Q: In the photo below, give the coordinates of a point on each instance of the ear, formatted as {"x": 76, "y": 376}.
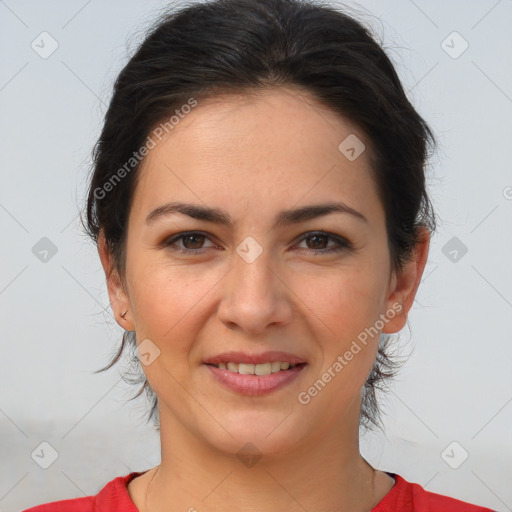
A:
{"x": 405, "y": 283}
{"x": 119, "y": 300}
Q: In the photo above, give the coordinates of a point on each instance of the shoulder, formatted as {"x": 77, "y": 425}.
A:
{"x": 412, "y": 497}
{"x": 113, "y": 497}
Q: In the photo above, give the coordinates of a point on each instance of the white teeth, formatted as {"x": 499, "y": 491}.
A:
{"x": 263, "y": 369}
{"x": 246, "y": 369}
{"x": 255, "y": 369}
{"x": 276, "y": 366}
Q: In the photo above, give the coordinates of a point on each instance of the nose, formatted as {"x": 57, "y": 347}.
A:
{"x": 255, "y": 296}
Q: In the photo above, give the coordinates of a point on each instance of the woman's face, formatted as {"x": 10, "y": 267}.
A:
{"x": 256, "y": 285}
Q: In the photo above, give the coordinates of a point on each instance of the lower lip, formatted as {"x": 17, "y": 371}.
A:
{"x": 255, "y": 385}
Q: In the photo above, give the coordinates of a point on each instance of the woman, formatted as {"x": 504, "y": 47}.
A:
{"x": 260, "y": 210}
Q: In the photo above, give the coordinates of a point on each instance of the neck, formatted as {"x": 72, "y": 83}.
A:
{"x": 325, "y": 474}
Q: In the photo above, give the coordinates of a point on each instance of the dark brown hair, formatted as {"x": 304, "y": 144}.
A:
{"x": 209, "y": 48}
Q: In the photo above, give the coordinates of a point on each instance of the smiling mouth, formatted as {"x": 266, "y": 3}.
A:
{"x": 256, "y": 369}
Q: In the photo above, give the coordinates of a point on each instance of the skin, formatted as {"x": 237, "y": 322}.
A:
{"x": 252, "y": 156}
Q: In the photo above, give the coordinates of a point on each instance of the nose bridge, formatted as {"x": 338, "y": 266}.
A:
{"x": 251, "y": 275}
{"x": 253, "y": 295}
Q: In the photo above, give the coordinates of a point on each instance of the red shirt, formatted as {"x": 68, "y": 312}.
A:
{"x": 403, "y": 496}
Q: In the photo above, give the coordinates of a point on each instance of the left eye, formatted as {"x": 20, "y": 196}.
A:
{"x": 197, "y": 237}
{"x": 339, "y": 243}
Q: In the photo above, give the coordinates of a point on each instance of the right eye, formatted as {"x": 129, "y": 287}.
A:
{"x": 188, "y": 238}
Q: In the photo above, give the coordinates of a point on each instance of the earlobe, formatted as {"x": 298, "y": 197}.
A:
{"x": 406, "y": 283}
{"x": 119, "y": 300}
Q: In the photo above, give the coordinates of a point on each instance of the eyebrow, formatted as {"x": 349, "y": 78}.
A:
{"x": 283, "y": 218}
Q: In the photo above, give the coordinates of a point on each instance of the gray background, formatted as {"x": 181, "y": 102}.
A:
{"x": 56, "y": 328}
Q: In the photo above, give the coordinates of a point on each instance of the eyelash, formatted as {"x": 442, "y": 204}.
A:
{"x": 342, "y": 244}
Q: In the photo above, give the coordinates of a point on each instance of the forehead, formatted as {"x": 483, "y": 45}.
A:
{"x": 268, "y": 116}
{"x": 269, "y": 146}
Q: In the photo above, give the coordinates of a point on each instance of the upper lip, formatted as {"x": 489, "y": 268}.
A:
{"x": 264, "y": 357}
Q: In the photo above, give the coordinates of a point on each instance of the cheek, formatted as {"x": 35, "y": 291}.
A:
{"x": 343, "y": 302}
{"x": 169, "y": 304}
{"x": 345, "y": 305}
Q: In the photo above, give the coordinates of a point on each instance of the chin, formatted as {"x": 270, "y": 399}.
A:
{"x": 257, "y": 435}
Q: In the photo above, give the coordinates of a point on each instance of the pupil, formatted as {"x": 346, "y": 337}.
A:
{"x": 316, "y": 237}
{"x": 192, "y": 237}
